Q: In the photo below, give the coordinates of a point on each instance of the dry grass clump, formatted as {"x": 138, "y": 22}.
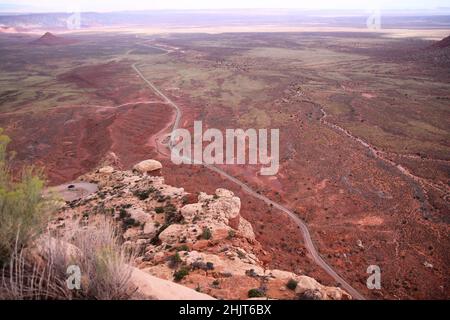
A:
{"x": 33, "y": 266}
{"x": 41, "y": 273}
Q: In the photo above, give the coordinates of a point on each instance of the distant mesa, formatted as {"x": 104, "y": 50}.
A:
{"x": 444, "y": 43}
{"x": 6, "y": 29}
{"x": 49, "y": 39}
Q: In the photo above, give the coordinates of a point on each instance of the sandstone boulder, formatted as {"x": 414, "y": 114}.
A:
{"x": 172, "y": 234}
{"x": 139, "y": 215}
{"x": 191, "y": 210}
{"x": 147, "y": 166}
{"x": 150, "y": 287}
{"x": 307, "y": 283}
{"x": 228, "y": 207}
{"x": 150, "y": 229}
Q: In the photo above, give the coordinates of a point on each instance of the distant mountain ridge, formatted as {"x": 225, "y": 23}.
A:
{"x": 444, "y": 43}
{"x": 58, "y": 21}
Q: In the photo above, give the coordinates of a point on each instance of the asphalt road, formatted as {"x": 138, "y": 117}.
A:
{"x": 302, "y": 226}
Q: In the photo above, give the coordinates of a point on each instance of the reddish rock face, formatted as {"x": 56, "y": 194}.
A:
{"x": 234, "y": 222}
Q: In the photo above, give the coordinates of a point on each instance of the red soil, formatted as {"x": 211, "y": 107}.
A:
{"x": 68, "y": 142}
{"x": 347, "y": 197}
{"x": 336, "y": 185}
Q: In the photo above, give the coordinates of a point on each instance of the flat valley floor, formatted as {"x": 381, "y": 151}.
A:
{"x": 364, "y": 119}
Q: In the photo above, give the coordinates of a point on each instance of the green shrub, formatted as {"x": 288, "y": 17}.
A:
{"x": 123, "y": 213}
{"x": 23, "y": 210}
{"x": 172, "y": 215}
{"x": 183, "y": 248}
{"x": 256, "y": 293}
{"x": 144, "y": 194}
{"x": 216, "y": 283}
{"x": 180, "y": 274}
{"x": 159, "y": 210}
{"x": 129, "y": 222}
{"x": 174, "y": 260}
{"x": 292, "y": 284}
{"x": 170, "y": 208}
{"x": 206, "y": 233}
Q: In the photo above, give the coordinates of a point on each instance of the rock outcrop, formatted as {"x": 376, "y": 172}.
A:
{"x": 203, "y": 244}
{"x": 147, "y": 166}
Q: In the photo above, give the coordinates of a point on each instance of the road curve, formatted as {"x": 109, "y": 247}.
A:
{"x": 302, "y": 226}
{"x": 72, "y": 191}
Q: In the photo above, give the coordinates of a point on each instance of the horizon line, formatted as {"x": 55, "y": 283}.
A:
{"x": 337, "y": 10}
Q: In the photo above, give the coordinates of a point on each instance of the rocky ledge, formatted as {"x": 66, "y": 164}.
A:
{"x": 199, "y": 241}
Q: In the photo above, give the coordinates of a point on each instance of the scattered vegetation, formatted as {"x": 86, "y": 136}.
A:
{"x": 175, "y": 260}
{"x": 172, "y": 215}
{"x": 215, "y": 284}
{"x": 144, "y": 194}
{"x": 231, "y": 234}
{"x": 181, "y": 274}
{"x": 23, "y": 210}
{"x": 159, "y": 210}
{"x": 129, "y": 222}
{"x": 183, "y": 248}
{"x": 292, "y": 284}
{"x": 170, "y": 208}
{"x": 256, "y": 293}
{"x": 123, "y": 213}
{"x": 206, "y": 233}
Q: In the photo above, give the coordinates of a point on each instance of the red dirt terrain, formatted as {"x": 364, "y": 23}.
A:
{"x": 71, "y": 140}
{"x": 84, "y": 137}
{"x": 367, "y": 213}
{"x": 360, "y": 209}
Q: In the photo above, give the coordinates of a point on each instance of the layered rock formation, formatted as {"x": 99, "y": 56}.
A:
{"x": 199, "y": 241}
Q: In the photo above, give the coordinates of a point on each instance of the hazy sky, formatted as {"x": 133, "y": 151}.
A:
{"x": 116, "y": 5}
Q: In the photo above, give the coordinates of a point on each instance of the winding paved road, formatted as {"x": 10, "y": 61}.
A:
{"x": 302, "y": 226}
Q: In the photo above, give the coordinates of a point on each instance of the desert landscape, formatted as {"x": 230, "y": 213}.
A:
{"x": 364, "y": 120}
